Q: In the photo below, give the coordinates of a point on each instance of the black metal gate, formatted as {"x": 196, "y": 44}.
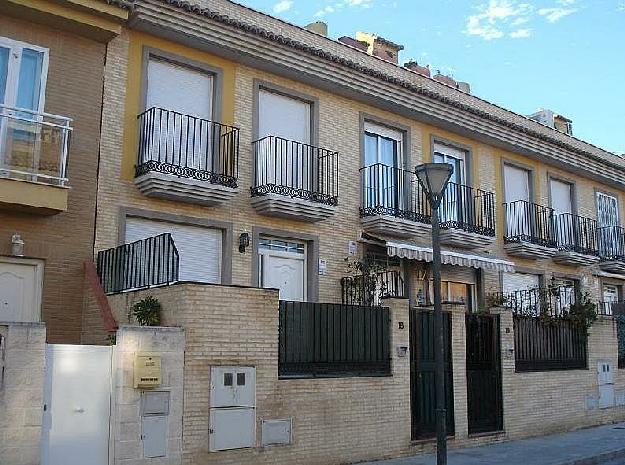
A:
{"x": 484, "y": 374}
{"x": 422, "y": 376}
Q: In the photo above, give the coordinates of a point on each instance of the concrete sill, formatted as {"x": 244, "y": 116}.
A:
{"x": 32, "y": 197}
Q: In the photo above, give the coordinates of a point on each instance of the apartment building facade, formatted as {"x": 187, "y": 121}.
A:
{"x": 51, "y": 69}
{"x": 306, "y": 148}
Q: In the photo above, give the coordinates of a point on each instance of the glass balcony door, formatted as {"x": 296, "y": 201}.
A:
{"x": 383, "y": 152}
{"x": 23, "y": 71}
{"x": 182, "y": 134}
{"x": 610, "y": 240}
{"x": 562, "y": 204}
{"x": 517, "y": 196}
{"x": 457, "y": 202}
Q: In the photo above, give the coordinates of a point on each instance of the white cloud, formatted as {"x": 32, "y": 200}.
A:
{"x": 282, "y": 6}
{"x": 521, "y": 33}
{"x": 341, "y": 4}
{"x": 556, "y": 14}
{"x": 495, "y": 18}
{"x": 621, "y": 7}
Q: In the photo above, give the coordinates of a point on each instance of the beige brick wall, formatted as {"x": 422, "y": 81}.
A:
{"x": 64, "y": 241}
{"x": 21, "y": 392}
{"x": 340, "y": 420}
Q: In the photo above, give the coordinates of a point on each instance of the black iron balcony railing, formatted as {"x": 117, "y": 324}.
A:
{"x": 611, "y": 241}
{"x": 370, "y": 290}
{"x": 188, "y": 147}
{"x": 610, "y": 308}
{"x": 391, "y": 191}
{"x": 576, "y": 234}
{"x": 529, "y": 222}
{"x": 34, "y": 146}
{"x": 469, "y": 209}
{"x": 295, "y": 169}
{"x": 554, "y": 300}
{"x": 144, "y": 263}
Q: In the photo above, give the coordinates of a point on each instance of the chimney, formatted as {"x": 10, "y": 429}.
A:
{"x": 353, "y": 43}
{"x": 464, "y": 87}
{"x": 417, "y": 68}
{"x": 553, "y": 120}
{"x": 445, "y": 79}
{"x": 318, "y": 27}
{"x": 380, "y": 47}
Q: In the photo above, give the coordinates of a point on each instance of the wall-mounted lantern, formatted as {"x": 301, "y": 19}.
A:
{"x": 17, "y": 245}
{"x": 244, "y": 241}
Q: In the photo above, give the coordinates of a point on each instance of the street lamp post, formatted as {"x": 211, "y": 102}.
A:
{"x": 434, "y": 178}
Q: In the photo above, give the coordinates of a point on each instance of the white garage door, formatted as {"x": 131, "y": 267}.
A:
{"x": 519, "y": 282}
{"x": 199, "y": 248}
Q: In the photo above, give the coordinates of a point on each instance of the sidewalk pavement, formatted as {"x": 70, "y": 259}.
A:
{"x": 598, "y": 445}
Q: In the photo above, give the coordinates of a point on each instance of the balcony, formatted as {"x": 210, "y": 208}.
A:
{"x": 185, "y": 158}
{"x": 393, "y": 202}
{"x": 610, "y": 308}
{"x": 576, "y": 239}
{"x": 294, "y": 180}
{"x": 612, "y": 249}
{"x": 370, "y": 290}
{"x": 530, "y": 230}
{"x": 33, "y": 161}
{"x": 467, "y": 217}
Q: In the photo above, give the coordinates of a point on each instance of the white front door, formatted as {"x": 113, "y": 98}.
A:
{"x": 288, "y": 159}
{"x": 77, "y": 398}
{"x": 20, "y": 289}
{"x": 518, "y": 215}
{"x": 199, "y": 248}
{"x": 610, "y": 296}
{"x": 610, "y": 240}
{"x": 181, "y": 131}
{"x": 283, "y": 267}
{"x": 562, "y": 203}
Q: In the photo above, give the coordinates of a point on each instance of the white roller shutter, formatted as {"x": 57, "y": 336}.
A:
{"x": 519, "y": 282}
{"x": 199, "y": 248}
{"x": 283, "y": 116}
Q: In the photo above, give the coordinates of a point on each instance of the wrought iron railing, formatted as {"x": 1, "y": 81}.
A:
{"x": 387, "y": 190}
{"x": 576, "y": 233}
{"x": 611, "y": 241}
{"x": 468, "y": 209}
{"x": 329, "y": 340}
{"x": 370, "y": 290}
{"x": 188, "y": 147}
{"x": 34, "y": 146}
{"x": 529, "y": 222}
{"x": 554, "y": 300}
{"x": 294, "y": 169}
{"x": 144, "y": 263}
{"x": 610, "y": 308}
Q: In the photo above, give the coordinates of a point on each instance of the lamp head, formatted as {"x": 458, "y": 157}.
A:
{"x": 434, "y": 178}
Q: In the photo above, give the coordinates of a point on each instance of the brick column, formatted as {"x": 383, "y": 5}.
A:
{"x": 506, "y": 331}
{"x": 459, "y": 363}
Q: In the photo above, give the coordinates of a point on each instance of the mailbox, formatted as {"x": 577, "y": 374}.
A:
{"x": 154, "y": 419}
{"x": 147, "y": 370}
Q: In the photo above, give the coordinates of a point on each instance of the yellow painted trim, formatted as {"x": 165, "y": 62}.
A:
{"x": 30, "y": 196}
{"x": 72, "y": 13}
{"x": 134, "y": 88}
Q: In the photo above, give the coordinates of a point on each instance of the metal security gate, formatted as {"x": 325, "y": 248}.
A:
{"x": 484, "y": 374}
{"x": 422, "y": 376}
{"x": 77, "y": 405}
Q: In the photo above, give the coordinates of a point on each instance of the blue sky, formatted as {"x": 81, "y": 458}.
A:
{"x": 565, "y": 55}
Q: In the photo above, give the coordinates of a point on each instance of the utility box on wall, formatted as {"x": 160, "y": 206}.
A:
{"x": 605, "y": 380}
{"x": 232, "y": 423}
{"x": 147, "y": 371}
{"x": 154, "y": 418}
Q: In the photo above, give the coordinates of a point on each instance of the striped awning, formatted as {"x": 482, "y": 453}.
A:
{"x": 424, "y": 254}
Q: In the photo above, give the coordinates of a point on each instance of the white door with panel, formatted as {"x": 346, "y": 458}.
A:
{"x": 517, "y": 196}
{"x": 562, "y": 204}
{"x": 77, "y": 399}
{"x": 21, "y": 282}
{"x": 199, "y": 248}
{"x": 282, "y": 266}
{"x": 182, "y": 96}
{"x": 288, "y": 159}
{"x": 609, "y": 232}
